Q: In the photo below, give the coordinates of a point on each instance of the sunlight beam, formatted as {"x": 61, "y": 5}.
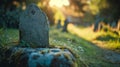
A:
{"x": 59, "y": 3}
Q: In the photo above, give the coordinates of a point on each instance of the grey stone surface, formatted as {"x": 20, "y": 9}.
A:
{"x": 33, "y": 27}
{"x": 51, "y": 58}
{"x": 112, "y": 57}
{"x": 37, "y": 57}
{"x": 98, "y": 24}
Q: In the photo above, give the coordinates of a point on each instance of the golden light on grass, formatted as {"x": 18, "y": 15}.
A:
{"x": 86, "y": 33}
{"x": 59, "y": 3}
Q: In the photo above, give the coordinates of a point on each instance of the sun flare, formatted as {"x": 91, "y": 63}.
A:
{"x": 59, "y": 3}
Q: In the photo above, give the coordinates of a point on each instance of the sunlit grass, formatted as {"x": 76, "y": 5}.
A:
{"x": 85, "y": 33}
{"x": 114, "y": 44}
{"x": 107, "y": 40}
{"x": 87, "y": 53}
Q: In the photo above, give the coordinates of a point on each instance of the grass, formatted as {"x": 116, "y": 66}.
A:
{"x": 8, "y": 36}
{"x": 88, "y": 54}
{"x": 77, "y": 40}
{"x": 108, "y": 40}
{"x": 111, "y": 40}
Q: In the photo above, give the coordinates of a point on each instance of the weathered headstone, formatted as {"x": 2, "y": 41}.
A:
{"x": 59, "y": 24}
{"x": 113, "y": 24}
{"x": 98, "y": 24}
{"x": 66, "y": 22}
{"x": 34, "y": 27}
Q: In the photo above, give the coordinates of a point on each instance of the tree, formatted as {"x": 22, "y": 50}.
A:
{"x": 109, "y": 9}
{"x": 10, "y": 10}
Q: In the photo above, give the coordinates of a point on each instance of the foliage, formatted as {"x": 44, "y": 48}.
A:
{"x": 10, "y": 11}
{"x": 31, "y": 1}
{"x": 8, "y": 37}
{"x": 108, "y": 9}
{"x": 3, "y": 36}
{"x": 114, "y": 9}
{"x": 96, "y": 5}
{"x": 111, "y": 40}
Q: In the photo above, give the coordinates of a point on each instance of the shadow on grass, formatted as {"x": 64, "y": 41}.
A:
{"x": 107, "y": 38}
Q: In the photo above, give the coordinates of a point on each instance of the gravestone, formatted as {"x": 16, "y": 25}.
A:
{"x": 33, "y": 27}
{"x": 59, "y": 24}
{"x": 98, "y": 24}
{"x": 66, "y": 22}
{"x": 113, "y": 24}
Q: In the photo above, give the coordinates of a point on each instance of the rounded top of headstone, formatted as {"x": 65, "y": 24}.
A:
{"x": 33, "y": 10}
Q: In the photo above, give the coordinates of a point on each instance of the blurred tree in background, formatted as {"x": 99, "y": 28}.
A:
{"x": 107, "y": 9}
{"x": 112, "y": 10}
{"x": 9, "y": 13}
{"x": 79, "y": 10}
{"x": 11, "y": 9}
